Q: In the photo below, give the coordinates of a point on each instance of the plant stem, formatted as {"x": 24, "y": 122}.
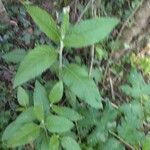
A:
{"x": 93, "y": 47}
{"x": 92, "y": 60}
{"x": 60, "y": 59}
{"x": 123, "y": 141}
{"x": 83, "y": 12}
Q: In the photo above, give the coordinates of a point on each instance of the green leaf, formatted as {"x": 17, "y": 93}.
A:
{"x": 22, "y": 97}
{"x": 130, "y": 126}
{"x": 44, "y": 145}
{"x": 45, "y": 22}
{"x": 56, "y": 93}
{"x": 41, "y": 104}
{"x": 146, "y": 144}
{"x": 54, "y": 143}
{"x": 26, "y": 116}
{"x": 113, "y": 144}
{"x": 104, "y": 123}
{"x": 57, "y": 124}
{"x": 67, "y": 113}
{"x": 25, "y": 134}
{"x": 101, "y": 53}
{"x": 35, "y": 62}
{"x": 68, "y": 143}
{"x": 89, "y": 32}
{"x": 138, "y": 86}
{"x": 71, "y": 98}
{"x": 42, "y": 142}
{"x": 14, "y": 56}
{"x": 77, "y": 80}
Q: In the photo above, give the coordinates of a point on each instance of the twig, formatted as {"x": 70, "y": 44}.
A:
{"x": 83, "y": 12}
{"x": 114, "y": 105}
{"x": 112, "y": 88}
{"x": 93, "y": 47}
{"x": 123, "y": 141}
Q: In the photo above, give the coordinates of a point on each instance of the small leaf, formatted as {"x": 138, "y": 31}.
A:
{"x": 68, "y": 143}
{"x": 89, "y": 32}
{"x": 45, "y": 22}
{"x": 138, "y": 87}
{"x": 26, "y": 116}
{"x": 54, "y": 143}
{"x": 77, "y": 80}
{"x": 101, "y": 53}
{"x": 41, "y": 104}
{"x": 131, "y": 123}
{"x": 56, "y": 93}
{"x": 22, "y": 97}
{"x": 35, "y": 62}
{"x": 67, "y": 113}
{"x": 57, "y": 124}
{"x": 27, "y": 133}
{"x": 14, "y": 56}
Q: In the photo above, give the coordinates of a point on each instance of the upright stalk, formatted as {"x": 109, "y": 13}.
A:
{"x": 60, "y": 59}
{"x": 93, "y": 47}
{"x": 64, "y": 28}
{"x": 92, "y": 60}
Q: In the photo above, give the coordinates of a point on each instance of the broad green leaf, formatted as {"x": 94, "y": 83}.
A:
{"x": 10, "y": 130}
{"x": 57, "y": 124}
{"x": 67, "y": 113}
{"x": 34, "y": 63}
{"x": 25, "y": 117}
{"x": 25, "y": 134}
{"x": 14, "y": 56}
{"x": 89, "y": 32}
{"x": 56, "y": 93}
{"x": 77, "y": 80}
{"x": 54, "y": 143}
{"x": 22, "y": 97}
{"x": 68, "y": 143}
{"x": 41, "y": 104}
{"x": 45, "y": 22}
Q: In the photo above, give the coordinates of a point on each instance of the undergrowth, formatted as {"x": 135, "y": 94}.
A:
{"x": 63, "y": 100}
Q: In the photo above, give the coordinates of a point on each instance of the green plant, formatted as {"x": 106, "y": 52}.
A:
{"x": 43, "y": 122}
